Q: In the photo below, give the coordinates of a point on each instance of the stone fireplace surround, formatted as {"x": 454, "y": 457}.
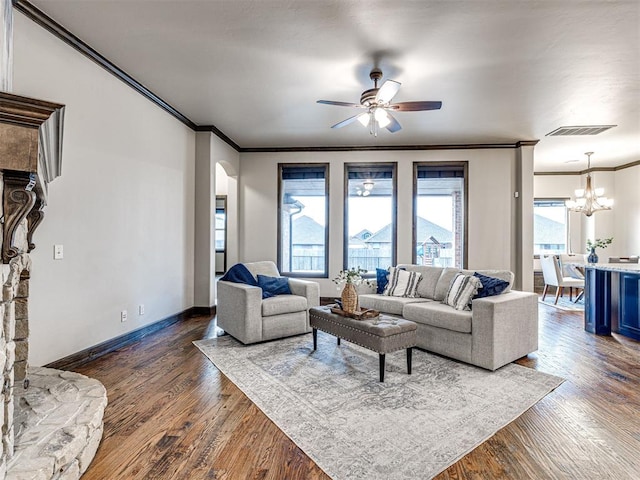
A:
{"x": 51, "y": 419}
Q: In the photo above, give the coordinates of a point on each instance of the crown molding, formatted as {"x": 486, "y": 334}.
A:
{"x": 594, "y": 169}
{"x": 219, "y": 133}
{"x": 368, "y": 148}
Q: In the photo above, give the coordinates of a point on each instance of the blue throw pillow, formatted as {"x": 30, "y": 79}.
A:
{"x": 273, "y": 286}
{"x": 382, "y": 278}
{"x": 490, "y": 286}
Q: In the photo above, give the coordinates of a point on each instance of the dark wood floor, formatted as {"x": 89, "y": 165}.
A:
{"x": 172, "y": 414}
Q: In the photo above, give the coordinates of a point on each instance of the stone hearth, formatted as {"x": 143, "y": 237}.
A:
{"x": 58, "y": 425}
{"x": 51, "y": 420}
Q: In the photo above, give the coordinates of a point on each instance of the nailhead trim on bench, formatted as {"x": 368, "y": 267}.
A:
{"x": 410, "y": 341}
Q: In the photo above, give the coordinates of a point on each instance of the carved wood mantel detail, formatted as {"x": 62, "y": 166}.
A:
{"x": 17, "y": 203}
{"x": 23, "y": 195}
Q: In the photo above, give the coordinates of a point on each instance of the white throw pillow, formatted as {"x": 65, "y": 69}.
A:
{"x": 402, "y": 283}
{"x": 461, "y": 291}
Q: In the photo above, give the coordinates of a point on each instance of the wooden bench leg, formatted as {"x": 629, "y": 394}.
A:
{"x": 409, "y": 351}
{"x": 315, "y": 339}
{"x": 381, "y": 367}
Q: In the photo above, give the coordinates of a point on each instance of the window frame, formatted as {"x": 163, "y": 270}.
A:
{"x": 563, "y": 200}
{"x": 414, "y": 234}
{"x": 394, "y": 211}
{"x": 223, "y": 199}
{"x": 327, "y": 170}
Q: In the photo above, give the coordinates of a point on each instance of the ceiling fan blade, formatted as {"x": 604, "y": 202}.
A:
{"x": 340, "y": 104}
{"x": 394, "y": 125}
{"x": 415, "y": 106}
{"x": 387, "y": 91}
{"x": 346, "y": 122}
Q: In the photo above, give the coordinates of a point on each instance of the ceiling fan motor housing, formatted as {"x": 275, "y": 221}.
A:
{"x": 368, "y": 97}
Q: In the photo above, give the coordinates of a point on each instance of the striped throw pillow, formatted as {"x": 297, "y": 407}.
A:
{"x": 402, "y": 283}
{"x": 461, "y": 290}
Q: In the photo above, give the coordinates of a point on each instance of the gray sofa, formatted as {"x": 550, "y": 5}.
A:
{"x": 497, "y": 330}
{"x": 244, "y": 314}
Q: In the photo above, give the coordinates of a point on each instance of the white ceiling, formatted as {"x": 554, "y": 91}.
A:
{"x": 504, "y": 70}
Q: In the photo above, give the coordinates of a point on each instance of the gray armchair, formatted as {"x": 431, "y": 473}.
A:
{"x": 245, "y": 315}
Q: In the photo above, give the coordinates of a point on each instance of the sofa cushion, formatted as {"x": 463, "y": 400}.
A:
{"x": 386, "y": 304}
{"x": 283, "y": 304}
{"x": 429, "y": 280}
{"x": 382, "y": 278}
{"x": 490, "y": 286}
{"x": 442, "y": 287}
{"x": 505, "y": 275}
{"x": 402, "y": 283}
{"x": 461, "y": 291}
{"x": 439, "y": 315}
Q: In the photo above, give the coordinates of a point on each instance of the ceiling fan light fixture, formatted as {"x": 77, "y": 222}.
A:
{"x": 376, "y": 101}
{"x": 381, "y": 117}
{"x": 364, "y": 119}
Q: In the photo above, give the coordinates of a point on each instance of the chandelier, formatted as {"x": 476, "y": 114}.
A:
{"x": 589, "y": 199}
{"x": 365, "y": 191}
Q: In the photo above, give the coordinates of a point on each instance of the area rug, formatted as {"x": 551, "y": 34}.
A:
{"x": 331, "y": 404}
{"x": 564, "y": 303}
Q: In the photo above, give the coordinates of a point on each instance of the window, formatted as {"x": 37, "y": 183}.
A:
{"x": 221, "y": 223}
{"x": 303, "y": 211}
{"x": 550, "y": 226}
{"x": 370, "y": 216}
{"x": 439, "y": 220}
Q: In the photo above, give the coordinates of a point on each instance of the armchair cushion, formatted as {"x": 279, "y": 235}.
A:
{"x": 272, "y": 286}
{"x": 281, "y": 304}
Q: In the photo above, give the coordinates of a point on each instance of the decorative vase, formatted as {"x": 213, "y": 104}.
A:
{"x": 349, "y": 298}
{"x": 593, "y": 257}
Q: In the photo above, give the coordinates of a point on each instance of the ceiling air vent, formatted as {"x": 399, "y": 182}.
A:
{"x": 579, "y": 130}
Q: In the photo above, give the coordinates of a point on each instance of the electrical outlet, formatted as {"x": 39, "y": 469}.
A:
{"x": 123, "y": 316}
{"x": 58, "y": 252}
{"x": 141, "y": 309}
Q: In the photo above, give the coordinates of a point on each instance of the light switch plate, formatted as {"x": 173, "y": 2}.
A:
{"x": 58, "y": 252}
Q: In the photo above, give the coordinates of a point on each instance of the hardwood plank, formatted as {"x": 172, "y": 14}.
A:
{"x": 172, "y": 414}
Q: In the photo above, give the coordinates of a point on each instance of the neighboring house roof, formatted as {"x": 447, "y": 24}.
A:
{"x": 362, "y": 234}
{"x": 426, "y": 229}
{"x": 306, "y": 231}
{"x": 548, "y": 231}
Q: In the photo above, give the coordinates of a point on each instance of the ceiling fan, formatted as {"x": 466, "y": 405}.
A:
{"x": 377, "y": 103}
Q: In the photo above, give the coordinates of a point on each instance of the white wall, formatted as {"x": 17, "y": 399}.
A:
{"x": 123, "y": 208}
{"x": 491, "y": 234}
{"x": 627, "y": 211}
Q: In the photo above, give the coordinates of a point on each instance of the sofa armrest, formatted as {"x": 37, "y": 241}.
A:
{"x": 239, "y": 311}
{"x": 504, "y": 328}
{"x": 306, "y": 288}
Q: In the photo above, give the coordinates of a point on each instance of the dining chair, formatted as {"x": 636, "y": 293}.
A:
{"x": 552, "y": 273}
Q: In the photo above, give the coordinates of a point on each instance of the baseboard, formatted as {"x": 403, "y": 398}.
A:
{"x": 85, "y": 356}
{"x": 204, "y": 310}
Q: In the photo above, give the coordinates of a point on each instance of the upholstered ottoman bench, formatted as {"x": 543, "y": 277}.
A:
{"x": 383, "y": 334}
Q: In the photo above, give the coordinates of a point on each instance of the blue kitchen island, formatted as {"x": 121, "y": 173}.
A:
{"x": 612, "y": 299}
